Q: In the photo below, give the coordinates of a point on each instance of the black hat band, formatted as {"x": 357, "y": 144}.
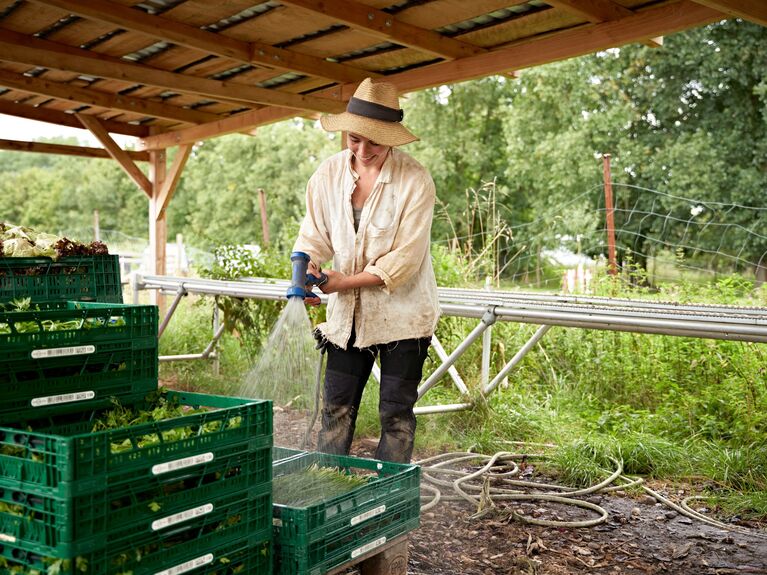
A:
{"x": 373, "y": 110}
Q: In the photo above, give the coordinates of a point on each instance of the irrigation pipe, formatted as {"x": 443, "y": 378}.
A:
{"x": 481, "y": 487}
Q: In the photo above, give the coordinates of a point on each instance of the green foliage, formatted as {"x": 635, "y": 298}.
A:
{"x": 250, "y": 319}
{"x": 190, "y": 331}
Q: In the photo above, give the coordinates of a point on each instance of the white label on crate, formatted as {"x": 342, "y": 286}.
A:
{"x": 276, "y": 522}
{"x": 63, "y": 398}
{"x": 368, "y": 547}
{"x": 161, "y": 468}
{"x": 182, "y": 516}
{"x": 63, "y": 351}
{"x": 7, "y": 538}
{"x": 367, "y": 515}
{"x": 188, "y": 566}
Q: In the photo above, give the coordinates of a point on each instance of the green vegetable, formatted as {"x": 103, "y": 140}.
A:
{"x": 313, "y": 485}
{"x": 23, "y": 242}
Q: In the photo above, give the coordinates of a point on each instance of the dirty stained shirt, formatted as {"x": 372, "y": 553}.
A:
{"x": 392, "y": 242}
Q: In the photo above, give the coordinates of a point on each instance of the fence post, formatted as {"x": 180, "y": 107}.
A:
{"x": 612, "y": 264}
{"x": 264, "y": 220}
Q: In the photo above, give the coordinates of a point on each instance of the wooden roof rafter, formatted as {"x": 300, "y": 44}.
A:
{"x": 217, "y": 44}
{"x": 753, "y": 10}
{"x": 667, "y": 18}
{"x": 91, "y": 97}
{"x": 388, "y": 27}
{"x": 44, "y": 53}
{"x": 192, "y": 67}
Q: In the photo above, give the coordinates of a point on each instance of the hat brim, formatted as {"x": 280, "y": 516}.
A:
{"x": 380, "y": 131}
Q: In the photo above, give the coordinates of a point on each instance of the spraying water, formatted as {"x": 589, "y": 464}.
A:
{"x": 287, "y": 369}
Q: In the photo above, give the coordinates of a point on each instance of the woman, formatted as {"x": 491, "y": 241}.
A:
{"x": 369, "y": 208}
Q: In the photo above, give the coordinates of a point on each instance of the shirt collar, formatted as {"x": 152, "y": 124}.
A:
{"x": 386, "y": 170}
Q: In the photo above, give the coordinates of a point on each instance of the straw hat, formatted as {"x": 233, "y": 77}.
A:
{"x": 373, "y": 112}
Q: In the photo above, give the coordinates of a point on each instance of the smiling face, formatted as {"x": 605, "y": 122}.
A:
{"x": 366, "y": 152}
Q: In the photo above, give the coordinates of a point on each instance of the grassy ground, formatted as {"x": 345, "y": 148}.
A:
{"x": 672, "y": 408}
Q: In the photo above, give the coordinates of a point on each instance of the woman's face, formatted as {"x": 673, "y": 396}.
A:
{"x": 366, "y": 152}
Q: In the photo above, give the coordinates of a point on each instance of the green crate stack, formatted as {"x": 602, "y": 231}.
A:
{"x": 139, "y": 499}
{"x": 316, "y": 538}
{"x": 249, "y": 555}
{"x": 64, "y": 357}
{"x": 73, "y": 278}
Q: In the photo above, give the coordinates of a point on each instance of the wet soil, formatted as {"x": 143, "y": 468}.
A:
{"x": 639, "y": 537}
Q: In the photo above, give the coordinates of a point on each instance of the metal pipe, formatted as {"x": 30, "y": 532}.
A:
{"x": 540, "y": 332}
{"x": 429, "y": 409}
{"x": 185, "y": 357}
{"x": 179, "y": 294}
{"x": 216, "y": 325}
{"x": 488, "y": 319}
{"x": 207, "y": 352}
{"x": 452, "y": 371}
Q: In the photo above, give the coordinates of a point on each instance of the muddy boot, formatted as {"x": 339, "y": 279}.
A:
{"x": 338, "y": 422}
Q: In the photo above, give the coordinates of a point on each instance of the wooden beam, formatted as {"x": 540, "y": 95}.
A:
{"x": 593, "y": 10}
{"x": 91, "y": 97}
{"x": 32, "y": 51}
{"x": 233, "y": 124}
{"x": 168, "y": 187}
{"x": 383, "y": 25}
{"x": 120, "y": 155}
{"x": 661, "y": 20}
{"x": 664, "y": 19}
{"x": 218, "y": 44}
{"x": 66, "y": 150}
{"x": 51, "y": 116}
{"x": 753, "y": 10}
{"x": 597, "y": 11}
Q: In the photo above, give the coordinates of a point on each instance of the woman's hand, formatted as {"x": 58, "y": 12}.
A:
{"x": 335, "y": 282}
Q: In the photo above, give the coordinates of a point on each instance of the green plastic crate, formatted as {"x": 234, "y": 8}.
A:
{"x": 110, "y": 350}
{"x": 318, "y": 537}
{"x": 67, "y": 527}
{"x": 75, "y": 278}
{"x": 387, "y": 480}
{"x": 248, "y": 555}
{"x": 67, "y": 459}
{"x": 323, "y": 550}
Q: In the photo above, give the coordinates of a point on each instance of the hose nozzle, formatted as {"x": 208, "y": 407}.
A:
{"x": 300, "y": 280}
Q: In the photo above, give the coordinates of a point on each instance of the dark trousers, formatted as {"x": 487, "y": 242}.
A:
{"x": 347, "y": 373}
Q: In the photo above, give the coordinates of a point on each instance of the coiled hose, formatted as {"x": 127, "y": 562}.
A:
{"x": 496, "y": 478}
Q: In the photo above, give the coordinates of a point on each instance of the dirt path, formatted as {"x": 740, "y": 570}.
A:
{"x": 640, "y": 536}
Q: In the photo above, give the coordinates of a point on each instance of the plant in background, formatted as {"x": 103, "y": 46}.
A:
{"x": 248, "y": 319}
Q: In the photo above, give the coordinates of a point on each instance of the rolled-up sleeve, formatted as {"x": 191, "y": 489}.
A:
{"x": 313, "y": 236}
{"x": 412, "y": 241}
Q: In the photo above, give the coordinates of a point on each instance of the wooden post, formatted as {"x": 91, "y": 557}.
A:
{"x": 179, "y": 271}
{"x": 158, "y": 230}
{"x": 264, "y": 219}
{"x": 96, "y": 227}
{"x": 612, "y": 268}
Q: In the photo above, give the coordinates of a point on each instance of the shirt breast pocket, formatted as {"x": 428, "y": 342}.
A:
{"x": 379, "y": 241}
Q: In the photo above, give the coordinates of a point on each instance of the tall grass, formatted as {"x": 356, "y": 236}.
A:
{"x": 668, "y": 407}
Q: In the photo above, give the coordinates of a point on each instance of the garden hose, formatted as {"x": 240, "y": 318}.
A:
{"x": 316, "y": 409}
{"x": 481, "y": 488}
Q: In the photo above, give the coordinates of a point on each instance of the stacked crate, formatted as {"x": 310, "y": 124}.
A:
{"x": 314, "y": 539}
{"x": 184, "y": 494}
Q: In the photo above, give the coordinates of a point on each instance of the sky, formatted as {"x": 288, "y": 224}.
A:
{"x": 14, "y": 128}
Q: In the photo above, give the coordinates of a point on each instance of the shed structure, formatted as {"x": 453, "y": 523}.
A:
{"x": 175, "y": 72}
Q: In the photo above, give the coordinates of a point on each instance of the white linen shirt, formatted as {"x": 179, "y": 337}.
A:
{"x": 392, "y": 242}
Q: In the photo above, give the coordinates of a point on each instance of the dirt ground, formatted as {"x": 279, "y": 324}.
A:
{"x": 640, "y": 536}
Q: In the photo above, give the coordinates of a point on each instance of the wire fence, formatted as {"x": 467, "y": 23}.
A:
{"x": 660, "y": 236}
